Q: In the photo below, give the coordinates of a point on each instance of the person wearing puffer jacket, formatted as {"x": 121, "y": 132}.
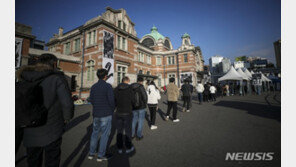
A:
{"x": 153, "y": 97}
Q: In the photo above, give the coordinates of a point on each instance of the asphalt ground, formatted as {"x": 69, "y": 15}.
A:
{"x": 201, "y": 139}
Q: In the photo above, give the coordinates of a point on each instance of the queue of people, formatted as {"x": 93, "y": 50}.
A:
{"x": 126, "y": 104}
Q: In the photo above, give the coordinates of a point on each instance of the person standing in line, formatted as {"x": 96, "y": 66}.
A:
{"x": 173, "y": 94}
{"x": 60, "y": 110}
{"x": 227, "y": 89}
{"x": 200, "y": 88}
{"x": 139, "y": 107}
{"x": 207, "y": 92}
{"x": 187, "y": 90}
{"x": 124, "y": 100}
{"x": 102, "y": 100}
{"x": 153, "y": 97}
{"x": 213, "y": 92}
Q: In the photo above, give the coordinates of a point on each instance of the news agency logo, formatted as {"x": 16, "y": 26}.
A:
{"x": 249, "y": 156}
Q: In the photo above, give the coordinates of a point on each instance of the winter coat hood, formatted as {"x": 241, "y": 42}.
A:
{"x": 33, "y": 73}
{"x": 123, "y": 86}
{"x": 135, "y": 85}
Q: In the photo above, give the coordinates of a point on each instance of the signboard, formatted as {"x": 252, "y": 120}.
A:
{"x": 108, "y": 56}
{"x": 185, "y": 75}
{"x": 18, "y": 51}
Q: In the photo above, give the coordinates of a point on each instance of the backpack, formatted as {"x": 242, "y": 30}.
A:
{"x": 137, "y": 98}
{"x": 29, "y": 108}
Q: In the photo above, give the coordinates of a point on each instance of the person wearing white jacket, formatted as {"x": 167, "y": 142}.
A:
{"x": 200, "y": 89}
{"x": 153, "y": 97}
{"x": 213, "y": 92}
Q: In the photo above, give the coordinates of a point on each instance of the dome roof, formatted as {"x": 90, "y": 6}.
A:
{"x": 155, "y": 34}
{"x": 186, "y": 35}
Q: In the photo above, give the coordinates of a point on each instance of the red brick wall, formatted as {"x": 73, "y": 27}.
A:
{"x": 69, "y": 66}
{"x": 25, "y": 47}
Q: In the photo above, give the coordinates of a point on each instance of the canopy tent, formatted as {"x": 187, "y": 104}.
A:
{"x": 247, "y": 72}
{"x": 245, "y": 77}
{"x": 231, "y": 75}
{"x": 252, "y": 72}
{"x": 264, "y": 78}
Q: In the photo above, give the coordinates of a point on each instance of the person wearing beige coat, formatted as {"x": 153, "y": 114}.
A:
{"x": 173, "y": 95}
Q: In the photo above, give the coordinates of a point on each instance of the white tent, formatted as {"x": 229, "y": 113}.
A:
{"x": 264, "y": 78}
{"x": 252, "y": 72}
{"x": 240, "y": 71}
{"x": 247, "y": 72}
{"x": 231, "y": 75}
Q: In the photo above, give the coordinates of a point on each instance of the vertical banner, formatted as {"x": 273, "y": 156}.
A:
{"x": 18, "y": 51}
{"x": 185, "y": 75}
{"x": 108, "y": 57}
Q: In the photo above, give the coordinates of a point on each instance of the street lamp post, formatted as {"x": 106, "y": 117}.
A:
{"x": 164, "y": 71}
{"x": 178, "y": 75}
{"x": 82, "y": 64}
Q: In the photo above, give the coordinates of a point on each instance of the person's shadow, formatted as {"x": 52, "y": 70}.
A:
{"x": 121, "y": 160}
{"x": 83, "y": 143}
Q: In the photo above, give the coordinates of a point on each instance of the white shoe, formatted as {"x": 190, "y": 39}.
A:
{"x": 167, "y": 118}
{"x": 153, "y": 127}
{"x": 176, "y": 120}
{"x": 188, "y": 111}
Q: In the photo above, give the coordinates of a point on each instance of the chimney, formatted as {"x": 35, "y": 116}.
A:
{"x": 61, "y": 31}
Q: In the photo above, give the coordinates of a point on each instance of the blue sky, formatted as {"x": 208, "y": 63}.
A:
{"x": 228, "y": 28}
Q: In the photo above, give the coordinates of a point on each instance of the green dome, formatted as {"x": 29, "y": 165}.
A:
{"x": 186, "y": 35}
{"x": 155, "y": 34}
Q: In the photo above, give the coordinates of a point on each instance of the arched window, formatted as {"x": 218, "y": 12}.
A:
{"x": 148, "y": 42}
{"x": 90, "y": 70}
{"x": 167, "y": 44}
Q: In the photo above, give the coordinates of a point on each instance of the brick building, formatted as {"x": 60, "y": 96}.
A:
{"x": 152, "y": 56}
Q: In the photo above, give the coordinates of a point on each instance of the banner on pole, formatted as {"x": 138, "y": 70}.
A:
{"x": 18, "y": 51}
{"x": 108, "y": 57}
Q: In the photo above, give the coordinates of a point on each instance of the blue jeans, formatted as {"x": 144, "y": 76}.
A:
{"x": 200, "y": 97}
{"x": 103, "y": 126}
{"x": 138, "y": 117}
{"x": 258, "y": 90}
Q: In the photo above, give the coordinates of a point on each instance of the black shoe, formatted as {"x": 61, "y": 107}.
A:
{"x": 104, "y": 158}
{"x": 140, "y": 138}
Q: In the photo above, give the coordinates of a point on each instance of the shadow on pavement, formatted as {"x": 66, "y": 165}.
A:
{"x": 161, "y": 114}
{"x": 83, "y": 143}
{"x": 76, "y": 121}
{"x": 121, "y": 160}
{"x": 271, "y": 112}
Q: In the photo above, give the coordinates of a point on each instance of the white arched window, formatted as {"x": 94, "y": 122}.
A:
{"x": 90, "y": 70}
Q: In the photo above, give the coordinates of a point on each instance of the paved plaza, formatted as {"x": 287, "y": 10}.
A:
{"x": 201, "y": 139}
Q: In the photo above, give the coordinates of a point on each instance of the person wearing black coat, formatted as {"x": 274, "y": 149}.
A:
{"x": 58, "y": 101}
{"x": 187, "y": 90}
{"x": 207, "y": 92}
{"x": 139, "y": 111}
{"x": 124, "y": 99}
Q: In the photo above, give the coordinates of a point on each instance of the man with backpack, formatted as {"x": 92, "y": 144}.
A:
{"x": 43, "y": 106}
{"x": 139, "y": 107}
{"x": 187, "y": 90}
{"x": 124, "y": 100}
